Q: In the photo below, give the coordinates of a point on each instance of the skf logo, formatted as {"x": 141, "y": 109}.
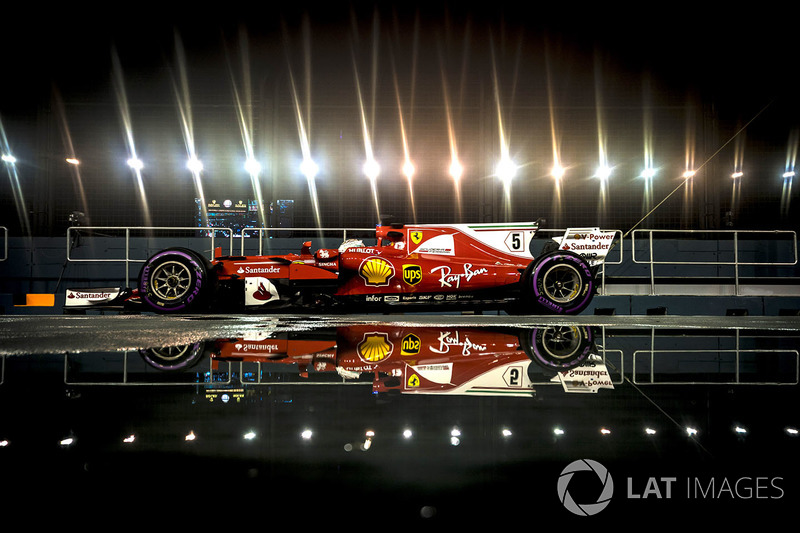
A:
{"x": 374, "y": 347}
{"x": 410, "y": 345}
{"x": 416, "y": 237}
{"x": 412, "y": 274}
{"x": 376, "y": 271}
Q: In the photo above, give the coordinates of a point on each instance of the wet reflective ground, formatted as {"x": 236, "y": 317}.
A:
{"x": 380, "y": 420}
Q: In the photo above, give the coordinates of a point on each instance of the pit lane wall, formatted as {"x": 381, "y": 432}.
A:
{"x": 648, "y": 272}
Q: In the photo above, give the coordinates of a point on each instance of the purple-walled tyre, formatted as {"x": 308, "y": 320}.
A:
{"x": 562, "y": 283}
{"x": 174, "y": 280}
{"x": 171, "y": 358}
{"x": 558, "y": 347}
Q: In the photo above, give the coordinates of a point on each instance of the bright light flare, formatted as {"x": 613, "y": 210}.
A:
{"x": 738, "y": 174}
{"x": 371, "y": 169}
{"x": 506, "y": 170}
{"x": 603, "y": 173}
{"x": 557, "y": 172}
{"x": 309, "y": 169}
{"x": 8, "y": 158}
{"x": 252, "y": 166}
{"x": 408, "y": 169}
{"x": 135, "y": 163}
{"x": 689, "y": 174}
{"x": 73, "y": 161}
{"x": 648, "y": 173}
{"x": 194, "y": 165}
{"x": 456, "y": 170}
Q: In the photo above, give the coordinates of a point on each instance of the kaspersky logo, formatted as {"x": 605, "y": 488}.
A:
{"x": 585, "y": 508}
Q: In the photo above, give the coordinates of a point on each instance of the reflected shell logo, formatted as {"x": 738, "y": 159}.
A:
{"x": 411, "y": 345}
{"x": 412, "y": 274}
{"x": 374, "y": 347}
{"x": 376, "y": 271}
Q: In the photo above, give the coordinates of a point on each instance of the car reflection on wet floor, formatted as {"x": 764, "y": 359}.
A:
{"x": 436, "y": 420}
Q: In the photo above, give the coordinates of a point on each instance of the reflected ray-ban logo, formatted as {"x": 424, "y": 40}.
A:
{"x": 585, "y": 509}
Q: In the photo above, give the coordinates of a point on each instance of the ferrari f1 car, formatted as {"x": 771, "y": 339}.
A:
{"x": 483, "y": 266}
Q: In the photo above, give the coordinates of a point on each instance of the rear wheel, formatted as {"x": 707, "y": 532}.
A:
{"x": 558, "y": 347}
{"x": 175, "y": 280}
{"x": 170, "y": 358}
{"x": 562, "y": 283}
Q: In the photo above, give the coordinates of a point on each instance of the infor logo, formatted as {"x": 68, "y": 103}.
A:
{"x": 585, "y": 509}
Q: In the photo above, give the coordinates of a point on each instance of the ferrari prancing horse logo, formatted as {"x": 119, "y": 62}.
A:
{"x": 416, "y": 237}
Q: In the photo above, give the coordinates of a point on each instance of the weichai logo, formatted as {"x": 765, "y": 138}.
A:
{"x": 412, "y": 274}
{"x": 410, "y": 345}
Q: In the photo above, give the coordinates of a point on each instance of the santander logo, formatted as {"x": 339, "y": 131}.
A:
{"x": 272, "y": 269}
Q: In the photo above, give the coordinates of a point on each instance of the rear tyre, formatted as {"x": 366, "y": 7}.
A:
{"x": 562, "y": 283}
{"x": 175, "y": 280}
{"x": 172, "y": 358}
{"x": 558, "y": 347}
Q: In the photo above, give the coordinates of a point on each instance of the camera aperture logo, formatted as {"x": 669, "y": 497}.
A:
{"x": 586, "y": 487}
{"x": 585, "y": 509}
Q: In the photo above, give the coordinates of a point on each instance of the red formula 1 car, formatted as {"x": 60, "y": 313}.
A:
{"x": 483, "y": 266}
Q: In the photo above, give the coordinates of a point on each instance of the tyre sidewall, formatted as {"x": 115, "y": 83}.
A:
{"x": 199, "y": 281}
{"x": 537, "y": 283}
{"x": 533, "y": 344}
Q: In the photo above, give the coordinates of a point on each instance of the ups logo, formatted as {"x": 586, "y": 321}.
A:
{"x": 410, "y": 345}
{"x": 412, "y": 274}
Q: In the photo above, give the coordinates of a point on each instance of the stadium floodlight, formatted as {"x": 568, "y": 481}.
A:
{"x": 371, "y": 169}
{"x": 194, "y": 165}
{"x": 603, "y": 172}
{"x": 252, "y": 166}
{"x": 135, "y": 163}
{"x": 408, "y": 169}
{"x": 309, "y": 168}
{"x": 506, "y": 170}
{"x": 456, "y": 170}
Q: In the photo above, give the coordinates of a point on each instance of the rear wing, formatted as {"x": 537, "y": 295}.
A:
{"x": 593, "y": 244}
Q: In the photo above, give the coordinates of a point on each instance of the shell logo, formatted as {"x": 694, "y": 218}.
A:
{"x": 375, "y": 347}
{"x": 376, "y": 271}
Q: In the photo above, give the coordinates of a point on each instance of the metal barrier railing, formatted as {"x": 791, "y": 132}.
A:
{"x": 148, "y": 231}
{"x": 736, "y": 262}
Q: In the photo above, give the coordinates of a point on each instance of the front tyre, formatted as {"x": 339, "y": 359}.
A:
{"x": 175, "y": 280}
{"x": 562, "y": 283}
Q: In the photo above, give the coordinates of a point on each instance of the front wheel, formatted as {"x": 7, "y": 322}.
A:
{"x": 175, "y": 280}
{"x": 562, "y": 283}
